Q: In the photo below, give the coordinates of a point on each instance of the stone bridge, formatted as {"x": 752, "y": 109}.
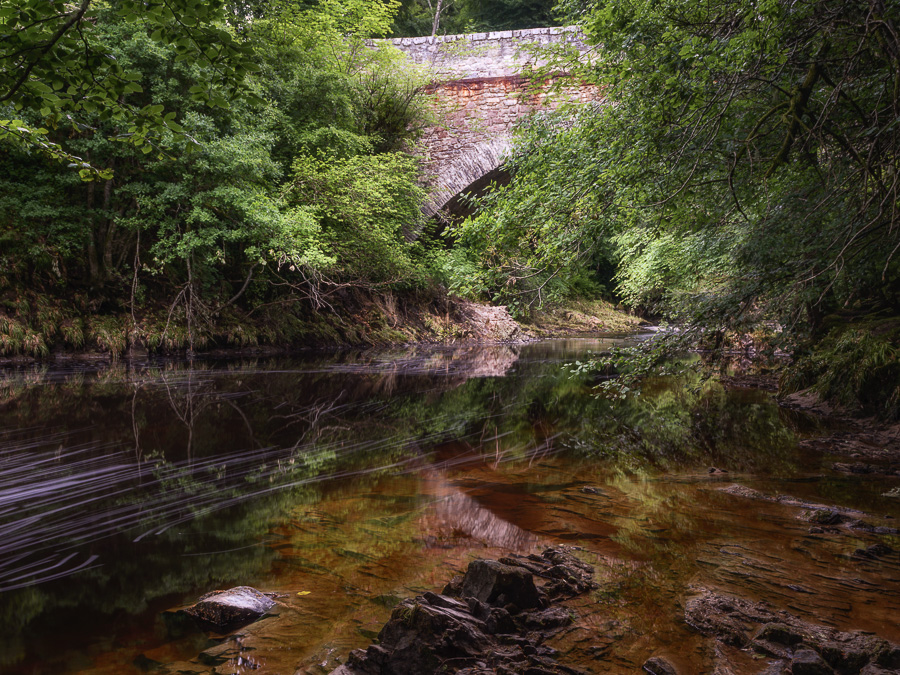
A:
{"x": 481, "y": 88}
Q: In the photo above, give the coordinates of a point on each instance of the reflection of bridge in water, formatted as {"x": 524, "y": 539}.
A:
{"x": 481, "y": 90}
{"x": 456, "y": 515}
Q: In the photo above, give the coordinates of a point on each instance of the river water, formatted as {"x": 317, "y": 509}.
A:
{"x": 349, "y": 481}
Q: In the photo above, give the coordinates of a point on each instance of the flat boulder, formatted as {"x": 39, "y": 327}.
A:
{"x": 808, "y": 648}
{"x": 222, "y": 611}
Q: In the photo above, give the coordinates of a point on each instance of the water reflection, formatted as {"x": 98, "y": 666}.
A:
{"x": 456, "y": 515}
{"x": 355, "y": 476}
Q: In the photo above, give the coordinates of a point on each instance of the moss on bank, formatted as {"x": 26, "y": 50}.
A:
{"x": 35, "y": 326}
{"x": 582, "y": 317}
{"x": 855, "y": 365}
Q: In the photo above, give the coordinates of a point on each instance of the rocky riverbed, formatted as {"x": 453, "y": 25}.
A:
{"x": 494, "y": 619}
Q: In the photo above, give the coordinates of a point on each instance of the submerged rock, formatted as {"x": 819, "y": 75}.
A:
{"x": 226, "y": 610}
{"x": 872, "y": 552}
{"x": 825, "y": 517}
{"x": 656, "y": 665}
{"x": 809, "y": 648}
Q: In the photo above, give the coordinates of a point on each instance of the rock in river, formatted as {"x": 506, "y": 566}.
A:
{"x": 493, "y": 620}
{"x": 656, "y": 665}
{"x": 225, "y": 610}
{"x": 805, "y": 647}
{"x": 498, "y": 584}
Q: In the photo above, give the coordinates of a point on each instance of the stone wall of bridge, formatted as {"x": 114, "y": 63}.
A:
{"x": 478, "y": 117}
{"x": 481, "y": 88}
{"x": 495, "y": 54}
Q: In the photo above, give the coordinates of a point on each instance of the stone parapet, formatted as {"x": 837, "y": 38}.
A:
{"x": 495, "y": 54}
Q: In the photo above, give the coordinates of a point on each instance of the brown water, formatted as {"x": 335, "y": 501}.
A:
{"x": 350, "y": 481}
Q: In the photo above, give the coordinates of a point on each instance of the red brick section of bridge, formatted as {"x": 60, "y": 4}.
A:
{"x": 478, "y": 116}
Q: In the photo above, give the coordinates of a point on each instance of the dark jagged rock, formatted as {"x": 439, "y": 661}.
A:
{"x": 496, "y": 623}
{"x": 825, "y": 517}
{"x": 872, "y": 552}
{"x": 823, "y": 530}
{"x": 222, "y": 611}
{"x": 863, "y": 526}
{"x": 567, "y": 576}
{"x": 872, "y": 669}
{"x": 780, "y": 634}
{"x": 808, "y": 662}
{"x": 498, "y": 584}
{"x": 552, "y": 617}
{"x": 656, "y": 665}
{"x": 742, "y": 623}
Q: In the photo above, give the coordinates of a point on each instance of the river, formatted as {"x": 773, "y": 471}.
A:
{"x": 348, "y": 481}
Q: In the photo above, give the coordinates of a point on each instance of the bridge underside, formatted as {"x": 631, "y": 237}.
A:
{"x": 466, "y": 172}
{"x": 460, "y": 206}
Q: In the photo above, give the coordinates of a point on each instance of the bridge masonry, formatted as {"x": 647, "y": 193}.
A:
{"x": 481, "y": 89}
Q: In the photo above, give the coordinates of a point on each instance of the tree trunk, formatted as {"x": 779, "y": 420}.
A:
{"x": 437, "y": 18}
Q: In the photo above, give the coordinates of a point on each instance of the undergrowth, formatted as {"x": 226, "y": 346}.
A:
{"x": 855, "y": 366}
{"x": 33, "y": 325}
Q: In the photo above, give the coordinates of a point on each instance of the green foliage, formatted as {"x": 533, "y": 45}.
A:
{"x": 544, "y": 231}
{"x": 416, "y": 17}
{"x": 457, "y": 271}
{"x": 741, "y": 173}
{"x": 197, "y": 220}
{"x": 55, "y": 67}
{"x": 18, "y": 338}
{"x": 369, "y": 206}
{"x": 624, "y": 369}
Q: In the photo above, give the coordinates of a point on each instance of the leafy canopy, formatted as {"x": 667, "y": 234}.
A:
{"x": 56, "y": 72}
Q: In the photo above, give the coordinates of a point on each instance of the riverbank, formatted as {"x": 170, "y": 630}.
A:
{"x": 51, "y": 330}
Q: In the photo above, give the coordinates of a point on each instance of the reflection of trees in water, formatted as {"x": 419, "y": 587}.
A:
{"x": 136, "y": 464}
{"x": 138, "y": 450}
{"x": 675, "y": 424}
{"x": 206, "y": 437}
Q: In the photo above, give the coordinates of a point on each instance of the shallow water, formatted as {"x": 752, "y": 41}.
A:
{"x": 350, "y": 481}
